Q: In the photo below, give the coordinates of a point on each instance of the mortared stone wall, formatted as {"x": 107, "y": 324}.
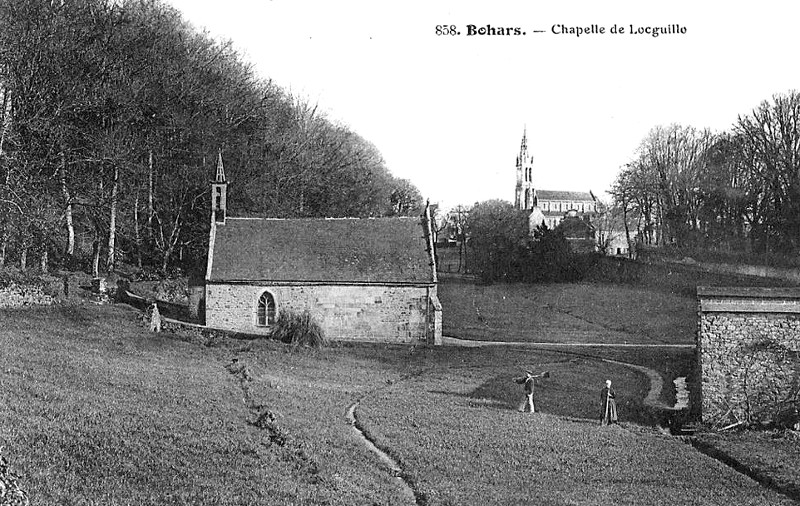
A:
{"x": 749, "y": 352}
{"x": 378, "y": 313}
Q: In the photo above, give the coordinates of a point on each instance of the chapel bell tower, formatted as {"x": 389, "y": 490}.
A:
{"x": 219, "y": 194}
{"x": 524, "y": 196}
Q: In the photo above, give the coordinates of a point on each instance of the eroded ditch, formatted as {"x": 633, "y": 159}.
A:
{"x": 263, "y": 419}
{"x": 280, "y": 439}
{"x": 406, "y": 486}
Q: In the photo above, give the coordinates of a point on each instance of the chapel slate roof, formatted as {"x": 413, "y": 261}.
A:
{"x": 564, "y": 195}
{"x": 370, "y": 250}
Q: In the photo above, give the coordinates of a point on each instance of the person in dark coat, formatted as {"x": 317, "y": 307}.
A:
{"x": 607, "y": 399}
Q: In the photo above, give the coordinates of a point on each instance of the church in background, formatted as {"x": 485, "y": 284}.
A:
{"x": 572, "y": 211}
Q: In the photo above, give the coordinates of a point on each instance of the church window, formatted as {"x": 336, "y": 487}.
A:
{"x": 265, "y": 314}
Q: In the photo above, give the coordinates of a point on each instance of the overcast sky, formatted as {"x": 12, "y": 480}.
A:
{"x": 448, "y": 112}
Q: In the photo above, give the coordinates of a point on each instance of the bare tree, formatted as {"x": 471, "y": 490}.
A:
{"x": 770, "y": 141}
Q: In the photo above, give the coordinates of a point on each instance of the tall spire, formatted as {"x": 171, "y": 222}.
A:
{"x": 524, "y": 145}
{"x": 525, "y": 195}
{"x": 220, "y": 168}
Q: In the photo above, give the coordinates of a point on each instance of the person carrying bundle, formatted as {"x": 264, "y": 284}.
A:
{"x": 527, "y": 405}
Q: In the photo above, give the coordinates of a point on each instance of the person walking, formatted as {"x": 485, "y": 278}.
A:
{"x": 527, "y": 405}
{"x": 607, "y": 398}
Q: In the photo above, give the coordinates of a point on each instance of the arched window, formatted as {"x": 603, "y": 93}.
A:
{"x": 265, "y": 315}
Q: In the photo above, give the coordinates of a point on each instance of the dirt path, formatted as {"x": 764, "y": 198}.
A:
{"x": 454, "y": 341}
{"x": 656, "y": 381}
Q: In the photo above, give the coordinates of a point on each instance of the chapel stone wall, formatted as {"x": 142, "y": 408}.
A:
{"x": 397, "y": 314}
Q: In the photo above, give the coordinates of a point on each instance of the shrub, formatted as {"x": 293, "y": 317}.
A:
{"x": 172, "y": 290}
{"x": 498, "y": 241}
{"x": 298, "y": 329}
{"x": 549, "y": 258}
{"x": 503, "y": 249}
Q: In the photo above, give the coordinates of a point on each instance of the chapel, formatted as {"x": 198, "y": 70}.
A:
{"x": 361, "y": 279}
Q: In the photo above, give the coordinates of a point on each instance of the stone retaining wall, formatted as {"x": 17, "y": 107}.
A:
{"x": 15, "y": 296}
{"x": 749, "y": 353}
{"x": 759, "y": 271}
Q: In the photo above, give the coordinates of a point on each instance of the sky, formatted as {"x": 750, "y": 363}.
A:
{"x": 448, "y": 111}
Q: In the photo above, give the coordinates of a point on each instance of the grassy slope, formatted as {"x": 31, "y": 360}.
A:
{"x": 457, "y": 432}
{"x": 659, "y": 307}
{"x": 772, "y": 455}
{"x": 576, "y": 313}
{"x": 564, "y": 313}
{"x": 95, "y": 410}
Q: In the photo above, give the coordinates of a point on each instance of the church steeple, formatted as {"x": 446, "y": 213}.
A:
{"x": 220, "y": 168}
{"x": 525, "y": 194}
{"x": 523, "y": 147}
{"x": 219, "y": 193}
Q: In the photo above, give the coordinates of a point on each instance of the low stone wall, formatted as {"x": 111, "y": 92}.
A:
{"x": 15, "y": 296}
{"x": 759, "y": 271}
{"x": 749, "y": 353}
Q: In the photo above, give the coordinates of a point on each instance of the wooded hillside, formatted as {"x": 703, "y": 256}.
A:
{"x": 113, "y": 115}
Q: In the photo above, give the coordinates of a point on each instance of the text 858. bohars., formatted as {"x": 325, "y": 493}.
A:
{"x": 479, "y": 30}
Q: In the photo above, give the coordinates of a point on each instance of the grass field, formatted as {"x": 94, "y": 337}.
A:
{"x": 565, "y": 313}
{"x": 656, "y": 305}
{"x": 95, "y": 410}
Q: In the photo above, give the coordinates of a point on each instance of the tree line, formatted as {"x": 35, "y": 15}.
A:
{"x": 112, "y": 116}
{"x": 738, "y": 190}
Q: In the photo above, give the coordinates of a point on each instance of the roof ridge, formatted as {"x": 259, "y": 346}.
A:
{"x": 565, "y": 191}
{"x": 324, "y": 219}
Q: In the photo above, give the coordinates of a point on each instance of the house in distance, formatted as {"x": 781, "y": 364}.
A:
{"x": 371, "y": 279}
